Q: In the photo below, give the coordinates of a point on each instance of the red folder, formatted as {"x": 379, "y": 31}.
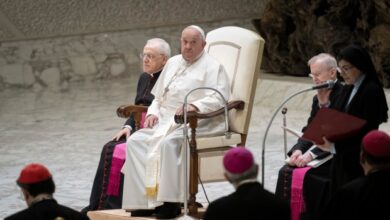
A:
{"x": 332, "y": 124}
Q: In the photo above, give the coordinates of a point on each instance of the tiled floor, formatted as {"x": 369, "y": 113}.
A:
{"x": 66, "y": 131}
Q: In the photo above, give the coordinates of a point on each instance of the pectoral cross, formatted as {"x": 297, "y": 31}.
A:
{"x": 182, "y": 68}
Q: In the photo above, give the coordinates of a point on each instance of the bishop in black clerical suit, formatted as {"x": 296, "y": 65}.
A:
{"x": 250, "y": 200}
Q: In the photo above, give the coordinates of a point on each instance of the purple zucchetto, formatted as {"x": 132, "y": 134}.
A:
{"x": 238, "y": 160}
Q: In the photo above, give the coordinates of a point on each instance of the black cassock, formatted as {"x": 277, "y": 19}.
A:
{"x": 316, "y": 183}
{"x": 99, "y": 198}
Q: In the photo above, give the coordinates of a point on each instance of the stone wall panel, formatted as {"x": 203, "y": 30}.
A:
{"x": 48, "y": 18}
{"x": 56, "y": 62}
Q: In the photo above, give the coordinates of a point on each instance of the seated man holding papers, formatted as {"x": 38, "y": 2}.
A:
{"x": 290, "y": 185}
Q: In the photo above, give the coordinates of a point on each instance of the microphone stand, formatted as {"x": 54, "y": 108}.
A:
{"x": 284, "y": 111}
{"x": 269, "y": 125}
{"x": 185, "y": 135}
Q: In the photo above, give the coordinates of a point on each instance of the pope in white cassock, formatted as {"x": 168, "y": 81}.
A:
{"x": 155, "y": 154}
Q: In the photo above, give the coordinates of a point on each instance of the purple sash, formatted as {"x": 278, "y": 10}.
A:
{"x": 297, "y": 202}
{"x": 118, "y": 159}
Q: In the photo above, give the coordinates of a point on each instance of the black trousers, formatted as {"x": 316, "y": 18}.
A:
{"x": 316, "y": 186}
{"x": 99, "y": 198}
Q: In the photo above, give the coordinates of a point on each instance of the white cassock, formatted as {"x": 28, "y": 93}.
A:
{"x": 155, "y": 157}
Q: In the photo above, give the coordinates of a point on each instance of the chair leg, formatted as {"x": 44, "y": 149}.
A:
{"x": 193, "y": 208}
{"x": 193, "y": 183}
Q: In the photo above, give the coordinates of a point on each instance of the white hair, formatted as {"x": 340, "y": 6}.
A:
{"x": 161, "y": 45}
{"x": 248, "y": 174}
{"x": 323, "y": 58}
{"x": 199, "y": 29}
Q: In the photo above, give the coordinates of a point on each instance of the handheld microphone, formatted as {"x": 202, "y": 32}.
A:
{"x": 328, "y": 84}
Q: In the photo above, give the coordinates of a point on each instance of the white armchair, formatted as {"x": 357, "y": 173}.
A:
{"x": 240, "y": 51}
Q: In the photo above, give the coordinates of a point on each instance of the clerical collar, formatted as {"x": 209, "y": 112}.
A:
{"x": 152, "y": 75}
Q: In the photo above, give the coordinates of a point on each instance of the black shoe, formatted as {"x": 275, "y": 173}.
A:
{"x": 142, "y": 212}
{"x": 169, "y": 210}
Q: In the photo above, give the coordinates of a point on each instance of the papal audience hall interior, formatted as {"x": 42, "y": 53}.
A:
{"x": 221, "y": 109}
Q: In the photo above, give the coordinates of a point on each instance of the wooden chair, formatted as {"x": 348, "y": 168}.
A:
{"x": 240, "y": 51}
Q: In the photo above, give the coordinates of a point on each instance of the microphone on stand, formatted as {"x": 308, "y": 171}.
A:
{"x": 328, "y": 84}
{"x": 185, "y": 135}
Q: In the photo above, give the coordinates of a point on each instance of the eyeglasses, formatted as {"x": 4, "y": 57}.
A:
{"x": 148, "y": 56}
{"x": 317, "y": 74}
{"x": 312, "y": 75}
{"x": 346, "y": 68}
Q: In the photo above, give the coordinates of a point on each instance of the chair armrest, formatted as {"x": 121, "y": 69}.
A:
{"x": 238, "y": 105}
{"x": 124, "y": 111}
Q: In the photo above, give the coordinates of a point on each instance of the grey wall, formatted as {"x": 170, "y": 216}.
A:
{"x": 26, "y": 19}
{"x": 50, "y": 44}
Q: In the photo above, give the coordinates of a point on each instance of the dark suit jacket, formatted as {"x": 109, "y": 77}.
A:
{"x": 249, "y": 201}
{"x": 364, "y": 198}
{"x": 369, "y": 103}
{"x": 47, "y": 210}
